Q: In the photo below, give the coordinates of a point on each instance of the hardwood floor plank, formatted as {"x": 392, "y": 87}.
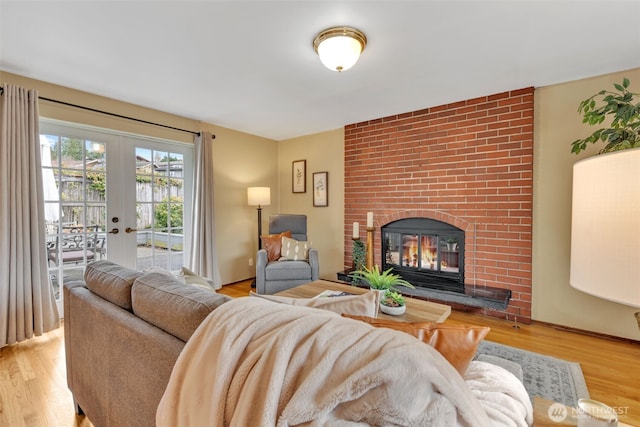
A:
{"x": 47, "y": 366}
{"x": 36, "y": 396}
{"x": 26, "y": 370}
{"x": 11, "y": 410}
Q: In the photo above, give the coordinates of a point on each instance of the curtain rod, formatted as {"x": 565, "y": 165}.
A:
{"x": 95, "y": 110}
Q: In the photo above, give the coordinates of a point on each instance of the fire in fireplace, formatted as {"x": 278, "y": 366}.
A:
{"x": 426, "y": 252}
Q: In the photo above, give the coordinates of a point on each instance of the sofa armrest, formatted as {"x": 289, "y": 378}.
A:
{"x": 315, "y": 264}
{"x": 261, "y": 264}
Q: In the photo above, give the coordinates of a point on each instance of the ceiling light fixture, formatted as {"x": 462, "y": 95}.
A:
{"x": 339, "y": 47}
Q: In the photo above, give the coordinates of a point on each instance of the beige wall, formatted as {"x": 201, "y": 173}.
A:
{"x": 556, "y": 125}
{"x": 323, "y": 152}
{"x": 241, "y": 160}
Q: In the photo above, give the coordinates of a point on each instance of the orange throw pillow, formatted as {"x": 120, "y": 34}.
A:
{"x": 458, "y": 344}
{"x": 273, "y": 244}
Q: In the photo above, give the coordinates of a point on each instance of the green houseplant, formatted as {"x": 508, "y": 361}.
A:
{"x": 392, "y": 299}
{"x": 359, "y": 253}
{"x": 380, "y": 281}
{"x": 623, "y": 107}
{"x": 392, "y": 303}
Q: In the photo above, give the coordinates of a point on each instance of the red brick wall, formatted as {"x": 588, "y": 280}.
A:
{"x": 469, "y": 164}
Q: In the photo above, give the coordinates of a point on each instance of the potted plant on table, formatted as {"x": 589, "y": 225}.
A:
{"x": 380, "y": 281}
{"x": 393, "y": 303}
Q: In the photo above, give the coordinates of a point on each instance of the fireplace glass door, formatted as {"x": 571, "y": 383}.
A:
{"x": 423, "y": 252}
{"x": 426, "y": 252}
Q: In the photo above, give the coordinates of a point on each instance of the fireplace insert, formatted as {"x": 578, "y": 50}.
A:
{"x": 426, "y": 252}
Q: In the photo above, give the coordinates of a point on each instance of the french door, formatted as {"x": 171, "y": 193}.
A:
{"x": 113, "y": 196}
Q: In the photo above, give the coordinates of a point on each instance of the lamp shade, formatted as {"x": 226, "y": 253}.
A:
{"x": 339, "y": 48}
{"x": 259, "y": 196}
{"x": 605, "y": 228}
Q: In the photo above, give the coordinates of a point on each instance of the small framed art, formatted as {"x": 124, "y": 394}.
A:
{"x": 321, "y": 189}
{"x": 299, "y": 176}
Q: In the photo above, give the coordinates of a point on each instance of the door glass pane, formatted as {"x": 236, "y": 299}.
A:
{"x": 75, "y": 205}
{"x": 159, "y": 209}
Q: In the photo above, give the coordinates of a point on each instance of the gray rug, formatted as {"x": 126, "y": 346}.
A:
{"x": 545, "y": 376}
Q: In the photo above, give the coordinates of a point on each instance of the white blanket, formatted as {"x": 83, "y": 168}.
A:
{"x": 256, "y": 363}
{"x": 502, "y": 395}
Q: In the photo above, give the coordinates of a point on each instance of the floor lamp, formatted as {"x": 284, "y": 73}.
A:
{"x": 605, "y": 235}
{"x": 259, "y": 196}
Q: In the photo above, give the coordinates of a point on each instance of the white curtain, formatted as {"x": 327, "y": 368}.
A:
{"x": 203, "y": 259}
{"x": 27, "y": 303}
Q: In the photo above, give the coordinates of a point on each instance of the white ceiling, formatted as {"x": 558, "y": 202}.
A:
{"x": 250, "y": 65}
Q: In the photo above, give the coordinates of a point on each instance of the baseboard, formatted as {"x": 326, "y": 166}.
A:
{"x": 250, "y": 279}
{"x": 585, "y": 332}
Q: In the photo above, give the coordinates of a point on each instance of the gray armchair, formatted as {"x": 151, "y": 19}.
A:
{"x": 276, "y": 276}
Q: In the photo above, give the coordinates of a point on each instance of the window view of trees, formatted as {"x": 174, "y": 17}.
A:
{"x": 169, "y": 213}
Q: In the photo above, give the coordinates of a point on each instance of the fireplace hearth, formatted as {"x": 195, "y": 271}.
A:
{"x": 426, "y": 252}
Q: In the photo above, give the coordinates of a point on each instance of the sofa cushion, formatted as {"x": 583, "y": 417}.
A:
{"x": 294, "y": 250}
{"x": 287, "y": 270}
{"x": 111, "y": 281}
{"x": 272, "y": 243}
{"x": 458, "y": 344}
{"x": 171, "y": 305}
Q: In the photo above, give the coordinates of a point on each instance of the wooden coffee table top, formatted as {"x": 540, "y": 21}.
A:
{"x": 417, "y": 310}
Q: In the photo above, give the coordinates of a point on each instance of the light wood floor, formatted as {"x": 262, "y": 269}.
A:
{"x": 33, "y": 388}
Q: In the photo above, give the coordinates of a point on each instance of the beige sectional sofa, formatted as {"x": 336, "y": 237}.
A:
{"x": 124, "y": 330}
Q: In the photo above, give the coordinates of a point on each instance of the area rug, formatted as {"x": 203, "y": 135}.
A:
{"x": 545, "y": 376}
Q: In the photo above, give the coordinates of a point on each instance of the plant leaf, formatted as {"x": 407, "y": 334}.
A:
{"x": 621, "y": 113}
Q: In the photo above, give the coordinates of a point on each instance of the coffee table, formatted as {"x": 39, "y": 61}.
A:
{"x": 417, "y": 310}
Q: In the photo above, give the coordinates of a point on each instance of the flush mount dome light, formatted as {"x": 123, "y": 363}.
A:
{"x": 339, "y": 47}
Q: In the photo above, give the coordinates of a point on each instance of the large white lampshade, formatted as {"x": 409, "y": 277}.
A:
{"x": 340, "y": 47}
{"x": 259, "y": 196}
{"x": 605, "y": 228}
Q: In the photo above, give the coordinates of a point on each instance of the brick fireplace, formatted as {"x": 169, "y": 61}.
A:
{"x": 468, "y": 164}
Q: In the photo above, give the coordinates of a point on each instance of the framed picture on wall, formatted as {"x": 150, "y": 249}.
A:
{"x": 299, "y": 176}
{"x": 321, "y": 189}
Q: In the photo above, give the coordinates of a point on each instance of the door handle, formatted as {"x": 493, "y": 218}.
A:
{"x": 129, "y": 230}
{"x": 114, "y": 231}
